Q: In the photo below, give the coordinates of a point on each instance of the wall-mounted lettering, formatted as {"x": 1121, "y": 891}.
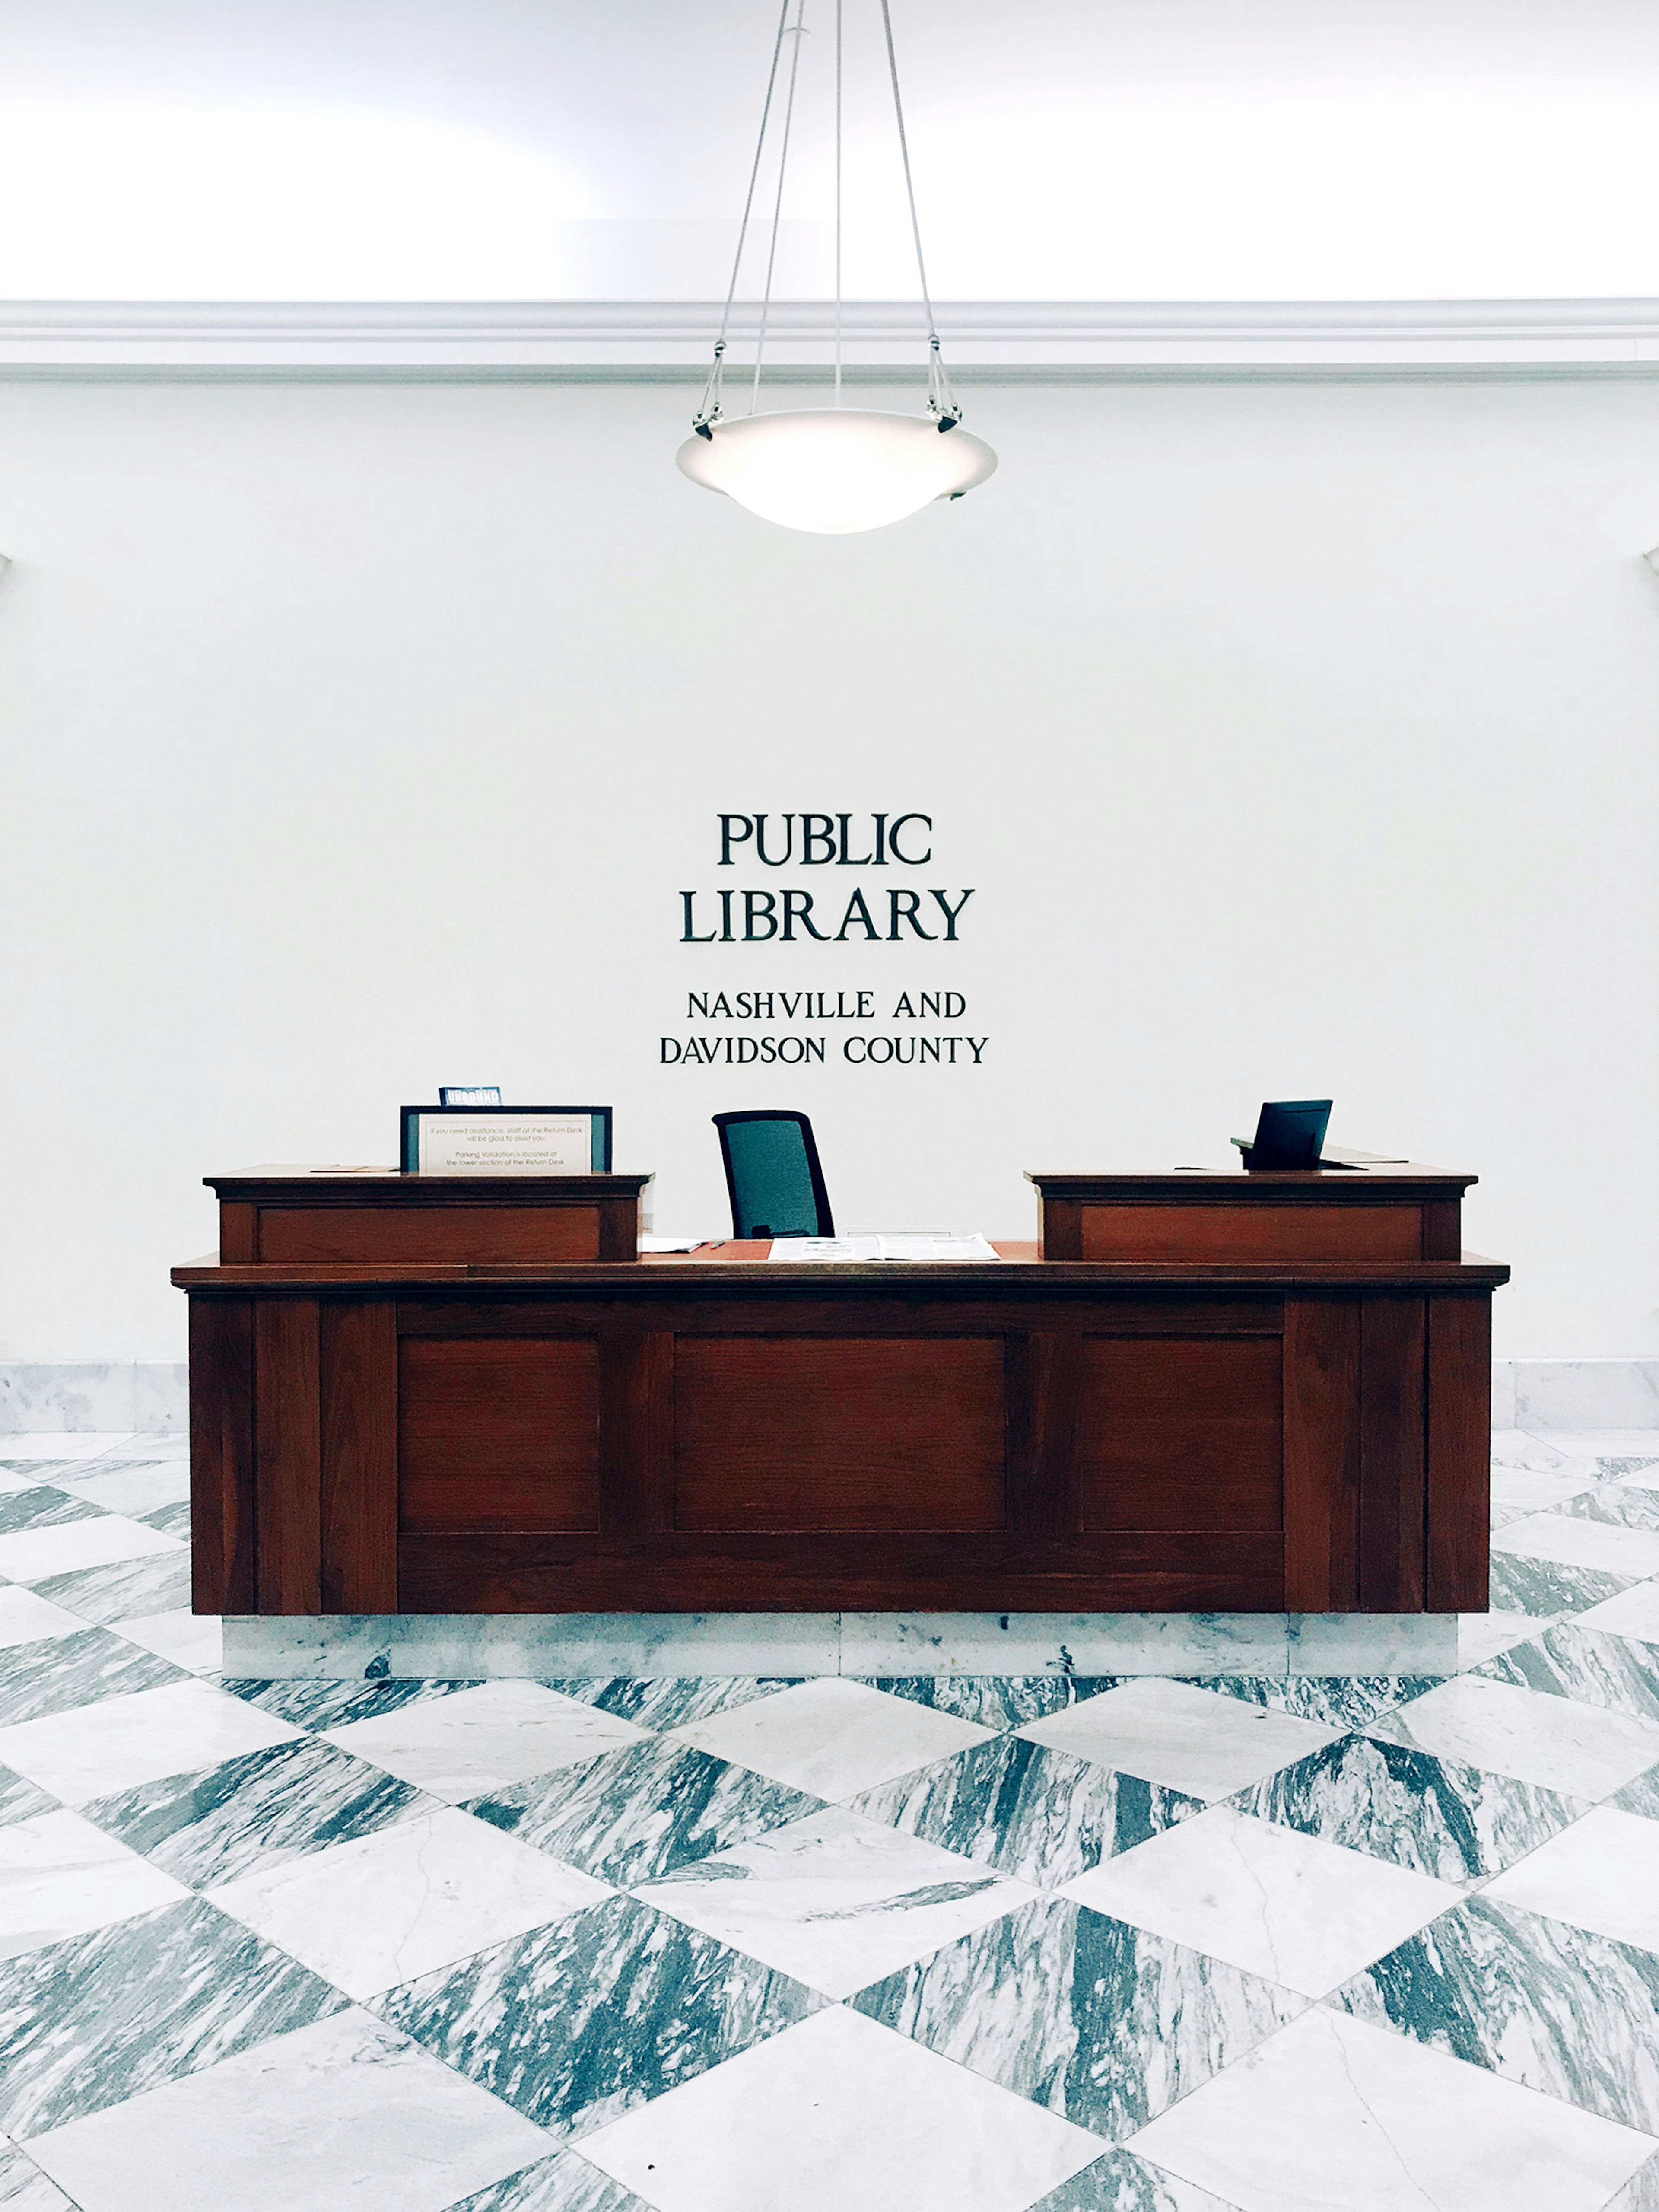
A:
{"x": 800, "y": 914}
{"x": 825, "y": 840}
{"x": 893, "y": 916}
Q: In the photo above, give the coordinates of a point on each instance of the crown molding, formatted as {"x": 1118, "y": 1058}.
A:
{"x": 985, "y": 341}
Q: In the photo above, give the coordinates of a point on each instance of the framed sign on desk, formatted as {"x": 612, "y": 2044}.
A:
{"x": 496, "y": 1140}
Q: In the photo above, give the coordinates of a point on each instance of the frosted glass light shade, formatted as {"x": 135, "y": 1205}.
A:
{"x": 835, "y": 469}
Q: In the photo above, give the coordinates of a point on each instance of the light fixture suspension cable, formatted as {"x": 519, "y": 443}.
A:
{"x": 798, "y": 32}
{"x": 942, "y": 403}
{"x": 941, "y": 400}
{"x": 708, "y": 412}
{"x": 838, "y": 140}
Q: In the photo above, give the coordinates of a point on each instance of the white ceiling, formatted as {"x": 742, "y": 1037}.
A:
{"x": 1152, "y": 149}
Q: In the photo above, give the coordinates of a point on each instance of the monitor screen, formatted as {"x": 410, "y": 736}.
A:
{"x": 1290, "y": 1133}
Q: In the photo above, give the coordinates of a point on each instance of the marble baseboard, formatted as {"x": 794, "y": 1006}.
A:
{"x": 1063, "y": 1643}
{"x": 469, "y": 1647}
{"x": 1503, "y": 1395}
{"x": 74, "y": 1396}
{"x": 1584, "y": 1394}
{"x": 1575, "y": 1394}
{"x": 472, "y": 1647}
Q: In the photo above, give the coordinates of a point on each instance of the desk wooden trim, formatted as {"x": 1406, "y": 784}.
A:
{"x": 750, "y": 1264}
{"x": 301, "y": 1216}
{"x": 1392, "y": 1212}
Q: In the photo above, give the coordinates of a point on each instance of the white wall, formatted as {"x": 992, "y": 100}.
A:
{"x": 1292, "y": 737}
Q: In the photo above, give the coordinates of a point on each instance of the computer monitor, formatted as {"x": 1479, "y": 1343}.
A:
{"x": 1290, "y": 1132}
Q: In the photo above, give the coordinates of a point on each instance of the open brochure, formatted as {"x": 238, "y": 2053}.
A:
{"x": 910, "y": 1248}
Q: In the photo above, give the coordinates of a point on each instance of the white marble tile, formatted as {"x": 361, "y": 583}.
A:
{"x": 1278, "y": 1903}
{"x": 1641, "y": 2192}
{"x": 1548, "y": 2006}
{"x": 1534, "y": 1490}
{"x": 1120, "y": 2182}
{"x": 1634, "y": 1612}
{"x": 1503, "y": 1515}
{"x": 1604, "y": 1545}
{"x": 1482, "y": 1636}
{"x": 485, "y": 1739}
{"x": 59, "y": 1443}
{"x": 1332, "y": 2115}
{"x": 344, "y": 2114}
{"x": 1513, "y": 1447}
{"x": 1188, "y": 1739}
{"x": 1601, "y": 1873}
{"x": 469, "y": 1647}
{"x": 23, "y": 2187}
{"x": 426, "y": 1891}
{"x": 1578, "y": 1750}
{"x": 194, "y": 1641}
{"x": 834, "y": 2113}
{"x": 832, "y": 1737}
{"x": 59, "y": 1876}
{"x": 150, "y": 1445}
{"x": 1373, "y": 1643}
{"x": 1062, "y": 1643}
{"x": 31, "y": 1555}
{"x": 96, "y": 1750}
{"x": 1587, "y": 1393}
{"x": 134, "y": 1490}
{"x": 1602, "y": 1444}
{"x": 836, "y": 1900}
{"x": 1101, "y": 2020}
{"x": 26, "y": 1618}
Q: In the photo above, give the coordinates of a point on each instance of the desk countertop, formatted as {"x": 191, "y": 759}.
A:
{"x": 729, "y": 1262}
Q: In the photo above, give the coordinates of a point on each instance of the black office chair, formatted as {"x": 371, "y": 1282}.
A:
{"x": 772, "y": 1175}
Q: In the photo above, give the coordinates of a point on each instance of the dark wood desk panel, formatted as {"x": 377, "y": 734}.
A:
{"x": 788, "y": 1431}
{"x": 717, "y": 1431}
{"x": 498, "y": 1432}
{"x": 1180, "y": 1432}
{"x": 518, "y": 1235}
{"x": 1250, "y": 1232}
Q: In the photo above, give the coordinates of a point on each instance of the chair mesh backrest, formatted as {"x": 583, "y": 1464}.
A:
{"x": 769, "y": 1164}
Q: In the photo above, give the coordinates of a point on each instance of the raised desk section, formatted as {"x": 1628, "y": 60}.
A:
{"x": 725, "y": 1432}
{"x": 1392, "y": 1211}
{"x": 325, "y": 1218}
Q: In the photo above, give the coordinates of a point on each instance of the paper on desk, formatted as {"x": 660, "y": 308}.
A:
{"x": 900, "y": 1247}
{"x": 974, "y": 1247}
{"x": 672, "y": 1243}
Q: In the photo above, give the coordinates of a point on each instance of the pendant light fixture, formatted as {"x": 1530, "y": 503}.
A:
{"x": 833, "y": 469}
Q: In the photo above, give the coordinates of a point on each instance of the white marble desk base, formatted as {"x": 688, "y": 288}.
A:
{"x": 472, "y": 1647}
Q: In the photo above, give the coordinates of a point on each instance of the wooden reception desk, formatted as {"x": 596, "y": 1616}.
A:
{"x": 395, "y": 1409}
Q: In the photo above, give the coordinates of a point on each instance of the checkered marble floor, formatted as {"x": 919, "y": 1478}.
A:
{"x": 951, "y": 1945}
